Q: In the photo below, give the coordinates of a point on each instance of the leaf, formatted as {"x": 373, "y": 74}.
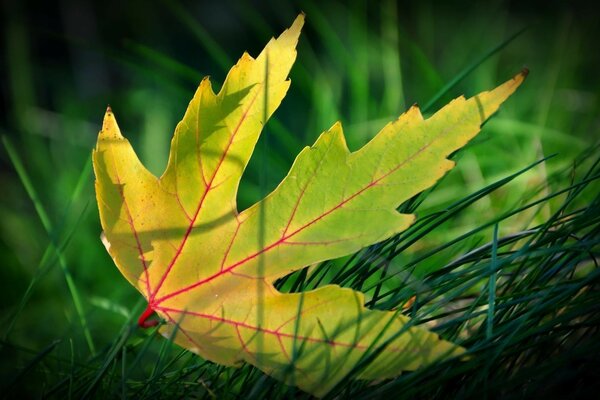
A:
{"x": 208, "y": 270}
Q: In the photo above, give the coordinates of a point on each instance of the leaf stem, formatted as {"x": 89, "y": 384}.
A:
{"x": 143, "y": 320}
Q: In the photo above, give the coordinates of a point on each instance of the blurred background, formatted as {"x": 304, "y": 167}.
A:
{"x": 360, "y": 62}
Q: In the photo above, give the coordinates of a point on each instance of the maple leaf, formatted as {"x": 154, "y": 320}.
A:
{"x": 208, "y": 270}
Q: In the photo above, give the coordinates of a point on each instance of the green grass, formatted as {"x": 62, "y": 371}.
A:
{"x": 502, "y": 259}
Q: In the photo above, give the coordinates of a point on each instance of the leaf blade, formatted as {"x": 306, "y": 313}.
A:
{"x": 209, "y": 270}
{"x": 334, "y": 329}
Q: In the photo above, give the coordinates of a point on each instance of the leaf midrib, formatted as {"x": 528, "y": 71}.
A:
{"x": 283, "y": 239}
{"x": 208, "y": 187}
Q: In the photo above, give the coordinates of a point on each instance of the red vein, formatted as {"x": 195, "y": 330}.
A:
{"x": 131, "y": 224}
{"x": 259, "y": 329}
{"x": 279, "y": 335}
{"x": 304, "y": 310}
{"x": 237, "y": 229}
{"x": 257, "y": 278}
{"x": 243, "y": 342}
{"x": 179, "y": 328}
{"x": 179, "y": 202}
{"x": 282, "y": 240}
{"x": 201, "y": 202}
{"x": 284, "y": 350}
{"x": 303, "y": 191}
{"x": 296, "y": 207}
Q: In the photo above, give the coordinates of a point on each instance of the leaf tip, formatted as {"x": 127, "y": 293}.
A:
{"x": 299, "y": 21}
{"x": 413, "y": 113}
{"x": 338, "y": 129}
{"x": 110, "y": 129}
{"x": 415, "y": 107}
{"x": 520, "y": 77}
{"x": 206, "y": 81}
{"x": 294, "y": 30}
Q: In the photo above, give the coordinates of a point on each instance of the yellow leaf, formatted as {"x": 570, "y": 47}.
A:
{"x": 208, "y": 270}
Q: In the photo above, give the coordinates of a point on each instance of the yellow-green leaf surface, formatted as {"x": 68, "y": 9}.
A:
{"x": 208, "y": 269}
